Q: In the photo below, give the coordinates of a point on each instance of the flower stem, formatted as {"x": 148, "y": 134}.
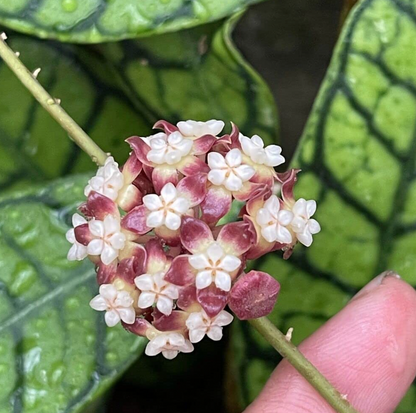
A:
{"x": 290, "y": 352}
{"x": 50, "y": 104}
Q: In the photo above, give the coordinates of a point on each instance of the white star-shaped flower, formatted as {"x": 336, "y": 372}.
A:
{"x": 229, "y": 171}
{"x": 168, "y": 149}
{"x": 108, "y": 239}
{"x": 108, "y": 180}
{"x": 118, "y": 305}
{"x": 78, "y": 251}
{"x": 254, "y": 148}
{"x": 196, "y": 129}
{"x": 154, "y": 289}
{"x": 200, "y": 324}
{"x": 302, "y": 224}
{"x": 214, "y": 265}
{"x": 273, "y": 221}
{"x": 166, "y": 209}
{"x": 147, "y": 139}
{"x": 169, "y": 344}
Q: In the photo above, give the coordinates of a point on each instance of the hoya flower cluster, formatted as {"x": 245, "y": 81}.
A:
{"x": 166, "y": 269}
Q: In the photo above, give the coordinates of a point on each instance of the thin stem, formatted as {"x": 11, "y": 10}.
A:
{"x": 290, "y": 352}
{"x": 50, "y": 104}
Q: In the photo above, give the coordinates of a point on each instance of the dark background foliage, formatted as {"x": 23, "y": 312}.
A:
{"x": 290, "y": 44}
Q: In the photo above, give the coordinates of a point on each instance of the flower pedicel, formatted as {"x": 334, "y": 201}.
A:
{"x": 166, "y": 270}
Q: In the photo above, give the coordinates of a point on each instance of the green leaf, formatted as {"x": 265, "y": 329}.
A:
{"x": 56, "y": 353}
{"x": 120, "y": 90}
{"x": 358, "y": 160}
{"x": 95, "y": 21}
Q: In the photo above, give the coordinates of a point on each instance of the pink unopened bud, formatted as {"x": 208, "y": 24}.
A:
{"x": 253, "y": 295}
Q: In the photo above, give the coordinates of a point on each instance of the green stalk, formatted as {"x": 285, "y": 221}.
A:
{"x": 50, "y": 104}
{"x": 290, "y": 352}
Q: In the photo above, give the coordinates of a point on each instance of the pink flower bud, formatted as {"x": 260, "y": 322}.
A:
{"x": 253, "y": 295}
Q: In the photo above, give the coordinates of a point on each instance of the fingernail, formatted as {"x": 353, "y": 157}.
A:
{"x": 375, "y": 283}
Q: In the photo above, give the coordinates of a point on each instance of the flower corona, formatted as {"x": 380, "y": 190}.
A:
{"x": 166, "y": 268}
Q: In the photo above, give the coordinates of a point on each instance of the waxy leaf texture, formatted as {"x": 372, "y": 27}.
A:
{"x": 95, "y": 21}
{"x": 56, "y": 353}
{"x": 358, "y": 160}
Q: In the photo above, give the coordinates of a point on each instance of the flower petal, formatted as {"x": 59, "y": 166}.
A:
{"x": 144, "y": 282}
{"x": 245, "y": 172}
{"x": 187, "y": 299}
{"x": 131, "y": 169}
{"x": 217, "y": 176}
{"x": 127, "y": 315}
{"x": 269, "y": 233}
{"x": 216, "y": 204}
{"x": 314, "y": 226}
{"x": 128, "y": 268}
{"x": 193, "y": 188}
{"x": 215, "y": 333}
{"x": 98, "y": 303}
{"x": 203, "y": 144}
{"x": 95, "y": 247}
{"x": 146, "y": 299}
{"x": 135, "y": 220}
{"x": 153, "y": 349}
{"x": 175, "y": 321}
{"x": 236, "y": 238}
{"x": 234, "y": 157}
{"x": 215, "y": 252}
{"x": 180, "y": 272}
{"x": 216, "y": 161}
{"x": 155, "y": 219}
{"x": 288, "y": 180}
{"x": 164, "y": 305}
{"x": 97, "y": 228}
{"x": 98, "y": 206}
{"x": 195, "y": 234}
{"x": 165, "y": 126}
{"x": 156, "y": 257}
{"x": 223, "y": 319}
{"x": 230, "y": 263}
{"x": 305, "y": 238}
{"x": 222, "y": 281}
{"x": 169, "y": 237}
{"x": 152, "y": 202}
{"x": 172, "y": 221}
{"x": 199, "y": 261}
{"x": 273, "y": 156}
{"x": 140, "y": 327}
{"x": 140, "y": 148}
{"x": 162, "y": 175}
{"x": 83, "y": 234}
{"x": 233, "y": 183}
{"x": 129, "y": 197}
{"x": 108, "y": 255}
{"x": 196, "y": 335}
{"x": 170, "y": 354}
{"x": 212, "y": 299}
{"x": 169, "y": 193}
{"x": 191, "y": 165}
{"x": 203, "y": 279}
{"x": 283, "y": 235}
{"x": 106, "y": 273}
{"x": 112, "y": 318}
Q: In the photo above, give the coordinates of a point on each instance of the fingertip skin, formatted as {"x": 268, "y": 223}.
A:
{"x": 367, "y": 351}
